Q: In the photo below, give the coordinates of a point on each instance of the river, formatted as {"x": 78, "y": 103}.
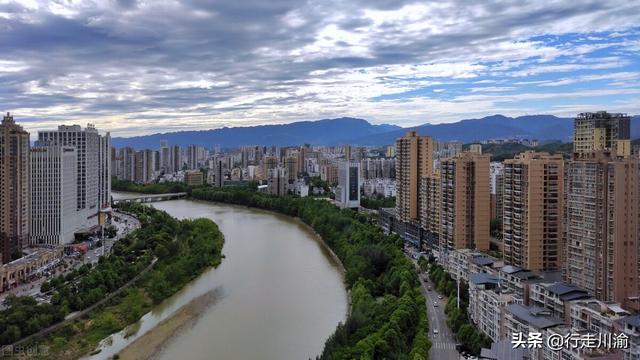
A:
{"x": 278, "y": 294}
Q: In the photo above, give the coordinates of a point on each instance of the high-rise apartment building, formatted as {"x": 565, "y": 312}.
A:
{"x": 54, "y": 213}
{"x": 165, "y": 156}
{"x": 268, "y": 163}
{"x": 602, "y": 131}
{"x": 91, "y": 148}
{"x": 144, "y": 164}
{"x": 348, "y": 184}
{"x": 277, "y": 180}
{"x": 347, "y": 152}
{"x": 192, "y": 157}
{"x": 176, "y": 158}
{"x": 465, "y": 207}
{"x": 14, "y": 189}
{"x": 602, "y": 227}
{"x": 292, "y": 166}
{"x": 430, "y": 206}
{"x": 496, "y": 169}
{"x": 329, "y": 173}
{"x": 533, "y": 200}
{"x": 217, "y": 172}
{"x": 414, "y": 160}
{"x": 499, "y": 196}
{"x": 104, "y": 166}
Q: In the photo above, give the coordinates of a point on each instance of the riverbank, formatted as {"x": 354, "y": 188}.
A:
{"x": 388, "y": 313}
{"x": 153, "y": 342}
{"x": 281, "y": 293}
{"x": 184, "y": 249}
{"x": 388, "y": 317}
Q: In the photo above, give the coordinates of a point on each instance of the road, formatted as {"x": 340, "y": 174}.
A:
{"x": 443, "y": 344}
{"x": 125, "y": 224}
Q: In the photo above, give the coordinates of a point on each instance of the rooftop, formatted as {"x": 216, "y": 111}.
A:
{"x": 538, "y": 317}
{"x": 510, "y": 269}
{"x": 482, "y": 278}
{"x": 483, "y": 260}
{"x": 503, "y": 350}
{"x": 566, "y": 291}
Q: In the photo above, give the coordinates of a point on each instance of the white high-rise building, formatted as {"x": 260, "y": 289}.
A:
{"x": 54, "y": 213}
{"x": 348, "y": 184}
{"x": 93, "y": 176}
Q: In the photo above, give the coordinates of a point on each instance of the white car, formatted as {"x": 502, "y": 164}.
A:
{"x": 435, "y": 331}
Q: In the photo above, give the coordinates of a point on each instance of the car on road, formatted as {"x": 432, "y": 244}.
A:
{"x": 435, "y": 331}
{"x": 440, "y": 297}
{"x": 435, "y": 303}
{"x": 429, "y": 288}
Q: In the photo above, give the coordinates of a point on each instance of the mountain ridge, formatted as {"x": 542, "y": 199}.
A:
{"x": 357, "y": 131}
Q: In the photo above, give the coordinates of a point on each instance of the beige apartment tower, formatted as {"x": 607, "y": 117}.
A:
{"x": 602, "y": 231}
{"x": 430, "y": 204}
{"x": 533, "y": 200}
{"x": 414, "y": 155}
{"x": 602, "y": 131}
{"x": 14, "y": 189}
{"x": 465, "y": 203}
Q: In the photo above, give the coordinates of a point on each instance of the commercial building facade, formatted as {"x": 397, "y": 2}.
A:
{"x": 349, "y": 184}
{"x": 93, "y": 170}
{"x": 54, "y": 214}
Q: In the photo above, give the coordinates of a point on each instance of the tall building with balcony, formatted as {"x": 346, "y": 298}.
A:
{"x": 216, "y": 174}
{"x": 165, "y": 156}
{"x": 533, "y": 200}
{"x": 268, "y": 163}
{"x": 414, "y": 160}
{"x": 144, "y": 165}
{"x": 277, "y": 180}
{"x": 54, "y": 213}
{"x": 292, "y": 165}
{"x": 14, "y": 189}
{"x": 602, "y": 131}
{"x": 465, "y": 202}
{"x": 104, "y": 174}
{"x": 176, "y": 158}
{"x": 602, "y": 227}
{"x": 430, "y": 198}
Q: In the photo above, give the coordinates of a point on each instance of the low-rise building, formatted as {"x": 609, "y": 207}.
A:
{"x": 525, "y": 320}
{"x": 194, "y": 178}
{"x": 630, "y": 326}
{"x": 487, "y": 301}
{"x": 556, "y": 297}
{"x": 518, "y": 281}
{"x": 26, "y": 268}
{"x": 595, "y": 316}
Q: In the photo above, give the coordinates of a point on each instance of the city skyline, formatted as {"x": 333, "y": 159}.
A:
{"x": 117, "y": 65}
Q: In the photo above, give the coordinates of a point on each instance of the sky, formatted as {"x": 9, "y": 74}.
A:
{"x": 135, "y": 67}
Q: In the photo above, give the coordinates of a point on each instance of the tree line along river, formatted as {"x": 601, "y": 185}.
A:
{"x": 278, "y": 294}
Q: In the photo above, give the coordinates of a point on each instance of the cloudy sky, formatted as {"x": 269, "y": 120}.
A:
{"x": 135, "y": 67}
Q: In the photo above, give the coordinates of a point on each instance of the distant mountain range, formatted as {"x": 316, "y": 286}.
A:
{"x": 360, "y": 132}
